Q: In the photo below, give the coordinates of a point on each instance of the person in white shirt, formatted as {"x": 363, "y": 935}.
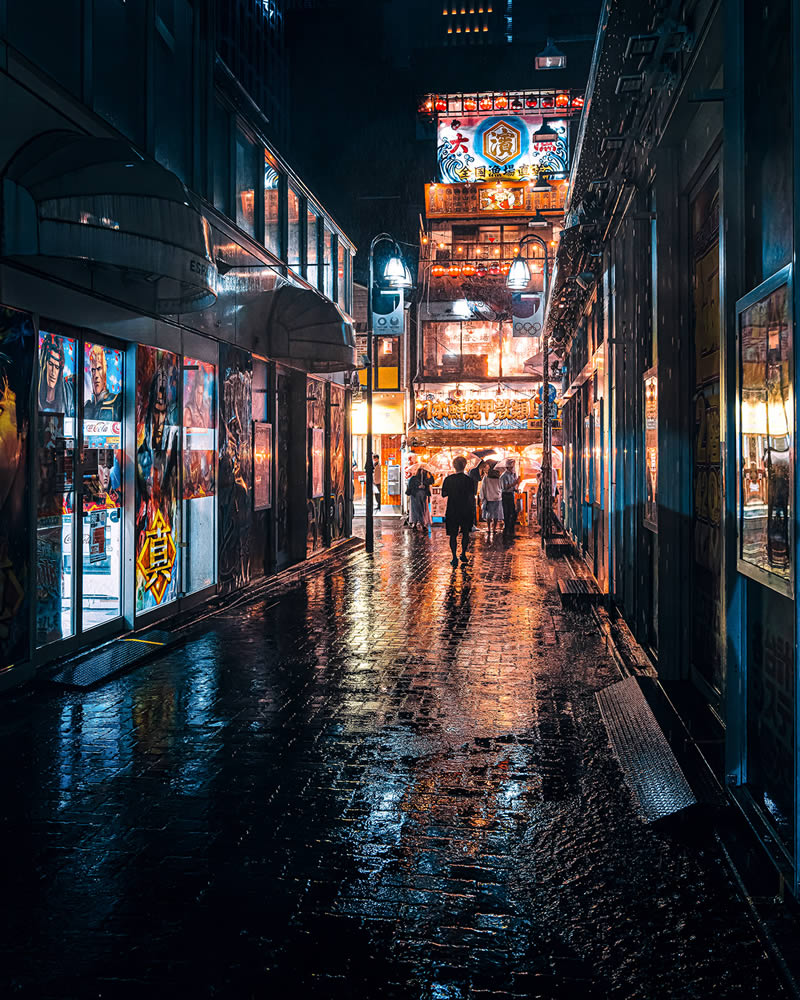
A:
{"x": 508, "y": 483}
{"x": 491, "y": 494}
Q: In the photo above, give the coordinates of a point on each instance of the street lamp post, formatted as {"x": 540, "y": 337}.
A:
{"x": 396, "y": 275}
{"x": 519, "y": 277}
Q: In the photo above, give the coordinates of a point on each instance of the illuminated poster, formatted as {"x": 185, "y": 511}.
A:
{"x": 157, "y": 446}
{"x": 766, "y": 421}
{"x": 55, "y": 516}
{"x": 651, "y": 450}
{"x": 262, "y": 465}
{"x": 199, "y": 428}
{"x": 337, "y": 425}
{"x": 17, "y": 347}
{"x": 317, "y": 461}
{"x": 500, "y": 146}
{"x": 235, "y": 466}
{"x": 102, "y": 394}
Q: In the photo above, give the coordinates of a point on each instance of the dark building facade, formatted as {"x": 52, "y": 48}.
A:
{"x": 175, "y": 338}
{"x": 673, "y": 307}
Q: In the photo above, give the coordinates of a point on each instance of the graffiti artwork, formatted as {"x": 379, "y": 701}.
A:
{"x": 337, "y": 419}
{"x": 157, "y": 443}
{"x": 235, "y": 466}
{"x": 17, "y": 345}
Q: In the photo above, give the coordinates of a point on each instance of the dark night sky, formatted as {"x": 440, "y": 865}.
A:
{"x": 357, "y": 69}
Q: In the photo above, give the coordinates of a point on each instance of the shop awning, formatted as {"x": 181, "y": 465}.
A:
{"x": 95, "y": 212}
{"x": 308, "y": 331}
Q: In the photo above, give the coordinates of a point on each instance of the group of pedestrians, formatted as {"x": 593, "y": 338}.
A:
{"x": 497, "y": 493}
{"x": 497, "y": 496}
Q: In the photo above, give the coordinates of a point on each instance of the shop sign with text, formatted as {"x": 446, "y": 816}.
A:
{"x": 484, "y": 149}
{"x": 492, "y": 413}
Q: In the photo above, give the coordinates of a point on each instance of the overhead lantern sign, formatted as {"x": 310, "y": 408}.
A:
{"x": 501, "y": 147}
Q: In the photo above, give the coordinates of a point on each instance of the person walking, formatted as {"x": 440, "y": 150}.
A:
{"x": 491, "y": 499}
{"x": 418, "y": 491}
{"x": 476, "y": 474}
{"x": 460, "y": 514}
{"x": 508, "y": 484}
{"x": 376, "y": 480}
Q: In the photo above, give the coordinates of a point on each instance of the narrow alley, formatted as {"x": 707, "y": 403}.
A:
{"x": 393, "y": 781}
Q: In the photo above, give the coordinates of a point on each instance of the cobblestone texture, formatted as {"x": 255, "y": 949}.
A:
{"x": 392, "y": 782}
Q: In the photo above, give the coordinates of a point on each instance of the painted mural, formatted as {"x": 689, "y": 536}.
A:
{"x": 157, "y": 472}
{"x": 235, "y": 467}
{"x": 17, "y": 346}
{"x": 507, "y": 146}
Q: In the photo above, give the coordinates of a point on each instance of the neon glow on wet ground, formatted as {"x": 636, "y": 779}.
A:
{"x": 392, "y": 782}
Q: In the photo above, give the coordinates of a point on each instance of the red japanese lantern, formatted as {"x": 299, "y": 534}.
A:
{"x": 437, "y": 270}
{"x": 485, "y": 104}
{"x": 454, "y": 270}
{"x": 547, "y": 102}
{"x": 494, "y": 269}
{"x": 577, "y": 102}
{"x": 482, "y": 272}
{"x": 426, "y": 105}
{"x": 516, "y": 104}
{"x": 440, "y": 105}
{"x": 501, "y": 103}
{"x": 532, "y": 102}
{"x": 468, "y": 270}
{"x": 562, "y": 100}
{"x": 505, "y": 268}
{"x": 470, "y": 104}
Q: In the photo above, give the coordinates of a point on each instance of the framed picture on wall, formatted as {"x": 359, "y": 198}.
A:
{"x": 765, "y": 432}
{"x": 262, "y": 465}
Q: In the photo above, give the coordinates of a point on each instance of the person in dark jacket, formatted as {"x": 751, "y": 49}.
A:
{"x": 459, "y": 489}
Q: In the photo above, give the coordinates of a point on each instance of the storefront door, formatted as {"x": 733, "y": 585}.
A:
{"x": 80, "y": 509}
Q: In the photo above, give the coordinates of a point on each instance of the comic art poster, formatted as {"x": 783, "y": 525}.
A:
{"x": 199, "y": 428}
{"x": 337, "y": 461}
{"x": 235, "y": 466}
{"x": 157, "y": 455}
{"x": 17, "y": 346}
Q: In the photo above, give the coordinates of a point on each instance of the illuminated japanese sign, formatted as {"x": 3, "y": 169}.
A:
{"x": 481, "y": 149}
{"x": 157, "y": 557}
{"x": 492, "y": 413}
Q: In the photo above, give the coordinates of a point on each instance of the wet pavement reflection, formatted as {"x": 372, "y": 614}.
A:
{"x": 393, "y": 781}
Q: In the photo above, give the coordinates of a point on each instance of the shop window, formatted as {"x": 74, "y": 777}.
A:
{"x": 475, "y": 348}
{"x": 101, "y": 468}
{"x": 327, "y": 263}
{"x": 766, "y": 424}
{"x": 55, "y": 523}
{"x": 49, "y": 33}
{"x": 199, "y": 474}
{"x": 312, "y": 247}
{"x": 220, "y": 151}
{"x": 245, "y": 184}
{"x": 157, "y": 535}
{"x": 272, "y": 205}
{"x": 118, "y": 69}
{"x": 293, "y": 253}
{"x": 388, "y": 362}
{"x": 173, "y": 86}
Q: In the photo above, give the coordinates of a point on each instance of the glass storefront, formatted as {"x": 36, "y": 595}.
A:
{"x": 80, "y": 423}
{"x": 199, "y": 474}
{"x": 101, "y": 469}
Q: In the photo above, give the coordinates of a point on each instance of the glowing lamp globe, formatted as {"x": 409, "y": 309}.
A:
{"x": 519, "y": 275}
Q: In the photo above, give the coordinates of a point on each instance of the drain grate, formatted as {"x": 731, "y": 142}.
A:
{"x": 119, "y": 655}
{"x": 649, "y": 765}
{"x": 577, "y": 592}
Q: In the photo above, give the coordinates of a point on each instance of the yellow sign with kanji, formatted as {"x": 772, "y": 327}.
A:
{"x": 156, "y": 558}
{"x": 495, "y": 413}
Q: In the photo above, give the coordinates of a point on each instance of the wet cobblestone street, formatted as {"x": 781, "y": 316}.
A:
{"x": 394, "y": 781}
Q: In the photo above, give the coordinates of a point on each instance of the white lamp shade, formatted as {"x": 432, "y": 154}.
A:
{"x": 551, "y": 57}
{"x": 519, "y": 275}
{"x": 395, "y": 272}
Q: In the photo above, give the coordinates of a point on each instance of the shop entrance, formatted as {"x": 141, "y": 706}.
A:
{"x": 80, "y": 510}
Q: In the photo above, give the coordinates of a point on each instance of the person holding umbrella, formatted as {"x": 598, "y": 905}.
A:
{"x": 460, "y": 514}
{"x": 508, "y": 485}
{"x": 418, "y": 491}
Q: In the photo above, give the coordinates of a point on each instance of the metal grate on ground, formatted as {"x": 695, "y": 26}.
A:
{"x": 649, "y": 765}
{"x": 119, "y": 655}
